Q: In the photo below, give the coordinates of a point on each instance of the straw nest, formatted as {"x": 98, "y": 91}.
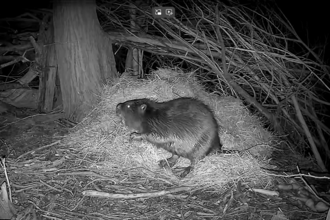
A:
{"x": 102, "y": 135}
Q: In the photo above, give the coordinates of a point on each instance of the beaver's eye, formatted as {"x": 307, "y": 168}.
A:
{"x": 128, "y": 106}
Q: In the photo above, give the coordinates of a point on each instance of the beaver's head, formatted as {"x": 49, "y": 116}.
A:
{"x": 132, "y": 114}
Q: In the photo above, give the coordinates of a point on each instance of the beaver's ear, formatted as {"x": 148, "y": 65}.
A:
{"x": 143, "y": 107}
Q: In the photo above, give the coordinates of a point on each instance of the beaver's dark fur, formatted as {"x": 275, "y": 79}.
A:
{"x": 185, "y": 127}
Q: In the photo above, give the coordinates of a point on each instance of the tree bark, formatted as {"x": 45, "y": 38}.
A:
{"x": 84, "y": 54}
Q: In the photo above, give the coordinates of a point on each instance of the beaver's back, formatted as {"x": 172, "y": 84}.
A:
{"x": 183, "y": 118}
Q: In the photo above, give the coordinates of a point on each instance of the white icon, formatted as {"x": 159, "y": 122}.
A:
{"x": 169, "y": 12}
{"x": 158, "y": 11}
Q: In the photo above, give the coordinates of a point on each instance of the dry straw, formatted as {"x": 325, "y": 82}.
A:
{"x": 102, "y": 135}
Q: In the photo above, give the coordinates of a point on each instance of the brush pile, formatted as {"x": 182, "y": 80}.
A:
{"x": 250, "y": 52}
{"x": 102, "y": 135}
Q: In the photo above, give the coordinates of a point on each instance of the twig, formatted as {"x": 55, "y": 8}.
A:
{"x": 15, "y": 48}
{"x": 35, "y": 45}
{"x": 319, "y": 130}
{"x": 16, "y": 60}
{"x": 3, "y": 164}
{"x": 94, "y": 193}
{"x": 47, "y": 212}
{"x": 266, "y": 192}
{"x": 82, "y": 215}
{"x": 300, "y": 175}
{"x": 27, "y": 188}
{"x": 89, "y": 173}
{"x": 311, "y": 189}
{"x": 229, "y": 203}
{"x": 40, "y": 148}
{"x": 28, "y": 15}
{"x": 58, "y": 190}
{"x": 78, "y": 204}
{"x": 22, "y": 119}
{"x": 307, "y": 132}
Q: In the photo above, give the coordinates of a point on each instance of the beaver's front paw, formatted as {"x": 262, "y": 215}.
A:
{"x": 186, "y": 171}
{"x": 166, "y": 163}
{"x": 135, "y": 136}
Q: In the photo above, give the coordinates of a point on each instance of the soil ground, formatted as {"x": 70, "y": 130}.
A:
{"x": 48, "y": 184}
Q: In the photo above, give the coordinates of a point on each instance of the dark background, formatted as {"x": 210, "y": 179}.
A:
{"x": 311, "y": 19}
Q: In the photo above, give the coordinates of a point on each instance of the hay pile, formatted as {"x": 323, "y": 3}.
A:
{"x": 102, "y": 136}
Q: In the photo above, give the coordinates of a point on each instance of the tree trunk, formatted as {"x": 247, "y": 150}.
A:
{"x": 84, "y": 54}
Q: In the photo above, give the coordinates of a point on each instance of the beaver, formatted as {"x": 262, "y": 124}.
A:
{"x": 186, "y": 127}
